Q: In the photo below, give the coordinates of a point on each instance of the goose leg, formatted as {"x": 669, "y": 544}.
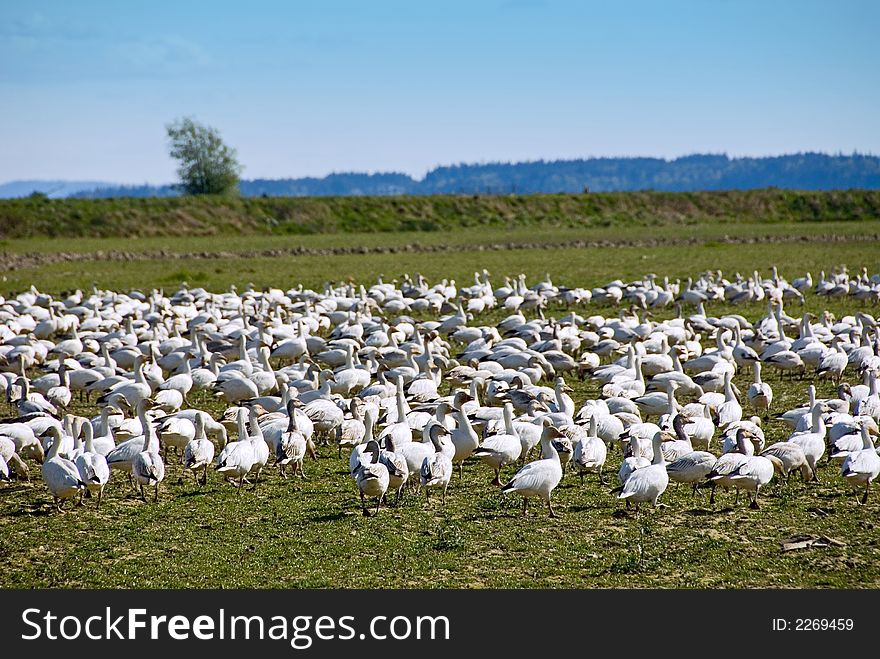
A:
{"x": 754, "y": 504}
{"x": 865, "y": 495}
{"x": 497, "y": 479}
{"x": 364, "y": 505}
{"x": 143, "y": 496}
{"x": 443, "y": 501}
{"x": 100, "y": 495}
{"x": 156, "y": 495}
{"x": 240, "y": 482}
{"x": 459, "y": 469}
{"x": 712, "y": 496}
{"x": 378, "y": 503}
{"x": 525, "y": 507}
{"x": 550, "y": 506}
{"x": 601, "y": 477}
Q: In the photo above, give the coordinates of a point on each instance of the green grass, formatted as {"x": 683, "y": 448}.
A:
{"x": 218, "y": 263}
{"x": 292, "y": 533}
{"x": 188, "y": 216}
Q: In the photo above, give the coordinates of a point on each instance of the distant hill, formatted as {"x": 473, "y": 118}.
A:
{"x": 700, "y": 172}
{"x": 52, "y": 189}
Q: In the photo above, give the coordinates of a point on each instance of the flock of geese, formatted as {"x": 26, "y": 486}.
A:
{"x": 410, "y": 401}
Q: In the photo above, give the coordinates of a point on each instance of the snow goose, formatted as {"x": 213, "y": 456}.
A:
{"x": 785, "y": 361}
{"x": 681, "y": 445}
{"x": 199, "y": 451}
{"x": 351, "y": 431}
{"x": 648, "y": 483}
{"x": 122, "y": 457}
{"x": 325, "y": 415}
{"x": 590, "y": 452}
{"x": 791, "y": 457}
{"x": 237, "y": 458}
{"x": 176, "y": 432}
{"x": 32, "y": 402}
{"x": 631, "y": 462}
{"x": 862, "y": 467}
{"x": 760, "y": 394}
{"x": 730, "y": 410}
{"x": 102, "y": 438}
{"x": 61, "y": 476}
{"x": 398, "y": 470}
{"x": 728, "y": 464}
{"x": 436, "y": 469}
{"x": 833, "y": 364}
{"x": 147, "y": 466}
{"x": 182, "y": 382}
{"x": 235, "y": 389}
{"x": 700, "y": 427}
{"x": 464, "y": 438}
{"x": 292, "y": 445}
{"x": 12, "y": 459}
{"x": 60, "y": 395}
{"x": 755, "y": 472}
{"x": 259, "y": 444}
{"x": 540, "y": 477}
{"x": 371, "y": 476}
{"x": 813, "y": 441}
{"x": 131, "y": 392}
{"x": 691, "y": 468}
{"x": 502, "y": 449}
{"x": 92, "y": 466}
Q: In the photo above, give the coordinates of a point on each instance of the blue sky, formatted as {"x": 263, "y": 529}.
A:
{"x": 307, "y": 88}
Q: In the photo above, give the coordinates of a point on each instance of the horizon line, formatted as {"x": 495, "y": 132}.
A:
{"x": 481, "y": 163}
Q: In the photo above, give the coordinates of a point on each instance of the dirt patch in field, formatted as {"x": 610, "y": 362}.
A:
{"x": 18, "y": 261}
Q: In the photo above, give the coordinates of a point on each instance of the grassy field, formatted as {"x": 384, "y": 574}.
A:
{"x": 193, "y": 216}
{"x": 292, "y": 533}
{"x": 603, "y": 254}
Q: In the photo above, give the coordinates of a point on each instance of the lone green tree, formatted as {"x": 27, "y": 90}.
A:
{"x": 207, "y": 164}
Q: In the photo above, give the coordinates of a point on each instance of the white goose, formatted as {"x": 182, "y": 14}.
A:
{"x": 540, "y": 477}
{"x": 590, "y": 452}
{"x": 730, "y": 410}
{"x": 237, "y": 458}
{"x": 61, "y": 476}
{"x": 648, "y": 483}
{"x": 791, "y": 457}
{"x": 728, "y": 464}
{"x": 292, "y": 445}
{"x": 436, "y": 469}
{"x": 691, "y": 468}
{"x": 862, "y": 467}
{"x": 760, "y": 394}
{"x": 813, "y": 441}
{"x": 147, "y": 466}
{"x": 92, "y": 466}
{"x": 398, "y": 470}
{"x": 199, "y": 451}
{"x": 755, "y": 472}
{"x": 464, "y": 438}
{"x": 371, "y": 476}
{"x": 502, "y": 449}
{"x": 632, "y": 462}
